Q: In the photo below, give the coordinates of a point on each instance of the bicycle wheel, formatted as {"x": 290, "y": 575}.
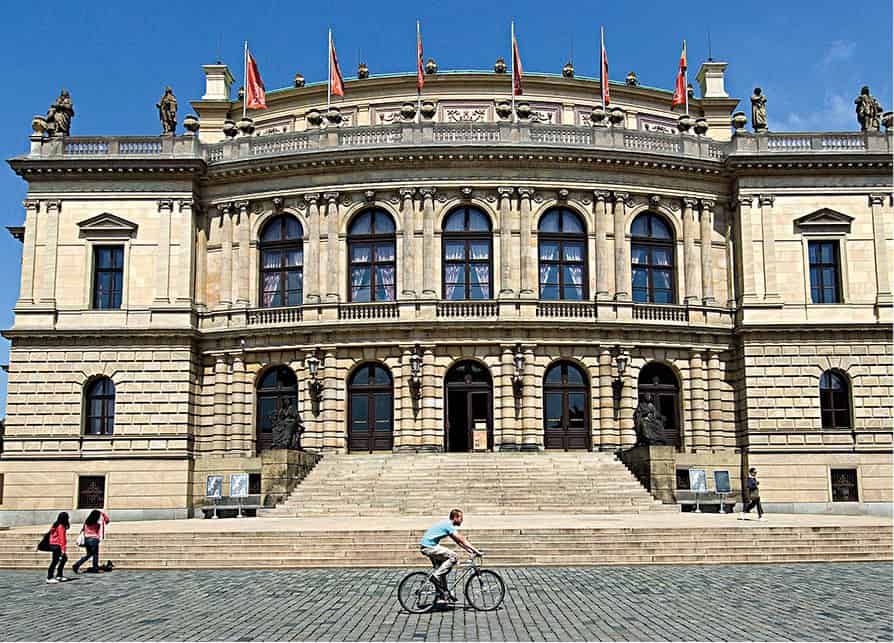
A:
{"x": 485, "y": 590}
{"x": 416, "y": 593}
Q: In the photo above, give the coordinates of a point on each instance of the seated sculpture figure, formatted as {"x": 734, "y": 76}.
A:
{"x": 649, "y": 422}
{"x": 287, "y": 428}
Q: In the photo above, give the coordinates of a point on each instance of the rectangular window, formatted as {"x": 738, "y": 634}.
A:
{"x": 91, "y": 492}
{"x": 254, "y": 484}
{"x": 824, "y": 272}
{"x": 844, "y": 485}
{"x": 108, "y": 277}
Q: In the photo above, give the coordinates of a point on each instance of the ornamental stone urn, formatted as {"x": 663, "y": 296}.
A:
{"x": 616, "y": 116}
{"x": 504, "y": 109}
{"x": 299, "y": 80}
{"x": 631, "y": 80}
{"x": 739, "y": 122}
{"x": 523, "y": 110}
{"x": 428, "y": 109}
{"x": 598, "y": 116}
{"x": 431, "y": 67}
{"x": 314, "y": 117}
{"x": 568, "y": 70}
{"x": 246, "y": 126}
{"x": 408, "y": 111}
{"x": 500, "y": 66}
{"x": 191, "y": 124}
{"x": 701, "y": 126}
{"x": 229, "y": 129}
{"x": 39, "y": 124}
{"x": 888, "y": 120}
{"x": 685, "y": 123}
{"x": 334, "y": 115}
{"x": 362, "y": 71}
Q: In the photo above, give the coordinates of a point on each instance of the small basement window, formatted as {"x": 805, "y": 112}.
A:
{"x": 254, "y": 484}
{"x": 844, "y": 485}
{"x": 91, "y": 492}
{"x": 682, "y": 478}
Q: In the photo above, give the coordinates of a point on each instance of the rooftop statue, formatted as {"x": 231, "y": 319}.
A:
{"x": 869, "y": 111}
{"x": 167, "y": 112}
{"x": 59, "y": 115}
{"x": 758, "y": 111}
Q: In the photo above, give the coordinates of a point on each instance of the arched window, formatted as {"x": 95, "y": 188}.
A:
{"x": 652, "y": 259}
{"x": 277, "y": 395}
{"x": 563, "y": 255}
{"x": 566, "y": 419}
{"x": 370, "y": 412}
{"x": 100, "y": 397}
{"x": 371, "y": 255}
{"x": 467, "y": 255}
{"x": 835, "y": 400}
{"x": 658, "y": 385}
{"x": 282, "y": 262}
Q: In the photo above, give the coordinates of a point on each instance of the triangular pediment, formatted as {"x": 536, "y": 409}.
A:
{"x": 824, "y": 218}
{"x": 107, "y": 225}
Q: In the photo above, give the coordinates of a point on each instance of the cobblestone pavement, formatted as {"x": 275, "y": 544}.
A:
{"x": 783, "y": 602}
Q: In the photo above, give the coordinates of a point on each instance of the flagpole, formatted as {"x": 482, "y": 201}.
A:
{"x": 329, "y": 80}
{"x": 245, "y": 80}
{"x": 686, "y": 79}
{"x": 418, "y": 89}
{"x": 602, "y": 79}
{"x": 512, "y": 56}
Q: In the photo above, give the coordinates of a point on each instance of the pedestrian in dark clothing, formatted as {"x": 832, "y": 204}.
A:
{"x": 754, "y": 495}
{"x": 94, "y": 530}
{"x": 58, "y": 542}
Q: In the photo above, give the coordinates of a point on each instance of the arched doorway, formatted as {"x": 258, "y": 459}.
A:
{"x": 277, "y": 392}
{"x": 659, "y": 381}
{"x": 370, "y": 409}
{"x": 468, "y": 390}
{"x": 566, "y": 417}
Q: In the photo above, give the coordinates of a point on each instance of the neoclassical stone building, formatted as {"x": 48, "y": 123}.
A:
{"x": 444, "y": 277}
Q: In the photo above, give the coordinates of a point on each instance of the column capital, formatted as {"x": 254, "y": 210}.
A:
{"x": 226, "y": 208}
{"x": 185, "y": 204}
{"x": 707, "y": 204}
{"x": 428, "y": 192}
{"x": 505, "y": 192}
{"x": 242, "y": 206}
{"x": 742, "y": 201}
{"x": 32, "y": 205}
{"x": 622, "y": 197}
{"x": 601, "y": 195}
{"x": 166, "y": 205}
{"x": 689, "y": 202}
{"x": 331, "y": 197}
{"x": 54, "y": 206}
{"x": 311, "y": 198}
{"x": 877, "y": 199}
{"x": 526, "y": 192}
{"x": 407, "y": 193}
{"x": 766, "y": 199}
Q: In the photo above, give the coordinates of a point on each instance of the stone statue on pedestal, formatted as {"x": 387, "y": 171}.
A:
{"x": 869, "y": 111}
{"x": 59, "y": 115}
{"x": 648, "y": 422}
{"x": 287, "y": 428}
{"x": 758, "y": 111}
{"x": 167, "y": 112}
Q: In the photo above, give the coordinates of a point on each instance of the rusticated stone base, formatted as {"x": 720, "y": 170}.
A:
{"x": 281, "y": 470}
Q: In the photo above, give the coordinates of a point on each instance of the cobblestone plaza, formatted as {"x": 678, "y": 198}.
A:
{"x": 784, "y": 602}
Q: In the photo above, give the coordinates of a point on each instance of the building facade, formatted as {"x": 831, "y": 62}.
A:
{"x": 447, "y": 276}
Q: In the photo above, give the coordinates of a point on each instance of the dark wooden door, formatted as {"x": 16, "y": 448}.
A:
{"x": 370, "y": 410}
{"x": 566, "y": 412}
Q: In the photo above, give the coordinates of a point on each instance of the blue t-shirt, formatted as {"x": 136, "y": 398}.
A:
{"x": 436, "y": 532}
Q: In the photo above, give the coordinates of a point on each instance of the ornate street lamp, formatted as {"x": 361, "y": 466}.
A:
{"x": 416, "y": 376}
{"x": 314, "y": 385}
{"x": 517, "y": 382}
{"x": 621, "y": 360}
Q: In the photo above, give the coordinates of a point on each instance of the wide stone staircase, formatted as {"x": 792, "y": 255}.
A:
{"x": 478, "y": 483}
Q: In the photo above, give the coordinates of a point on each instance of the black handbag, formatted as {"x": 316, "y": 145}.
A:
{"x": 44, "y": 544}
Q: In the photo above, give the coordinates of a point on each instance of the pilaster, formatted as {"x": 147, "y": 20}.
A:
{"x": 692, "y": 293}
{"x": 226, "y": 255}
{"x": 201, "y": 260}
{"x": 715, "y": 401}
{"x": 312, "y": 254}
{"x": 882, "y": 262}
{"x": 29, "y": 252}
{"x": 528, "y": 286}
{"x": 185, "y": 258}
{"x": 706, "y": 221}
{"x": 50, "y": 253}
{"x": 332, "y": 269}
{"x": 426, "y": 286}
{"x": 601, "y": 217}
{"x": 163, "y": 254}
{"x": 622, "y": 248}
{"x": 408, "y": 212}
{"x": 747, "y": 266}
{"x": 242, "y": 272}
{"x": 505, "y": 196}
{"x": 697, "y": 401}
{"x": 608, "y": 432}
{"x": 768, "y": 234}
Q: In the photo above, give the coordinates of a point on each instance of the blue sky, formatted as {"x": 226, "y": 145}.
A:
{"x": 809, "y": 56}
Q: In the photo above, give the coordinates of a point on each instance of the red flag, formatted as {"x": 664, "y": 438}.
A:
{"x": 336, "y": 82}
{"x": 603, "y": 71}
{"x": 680, "y": 95}
{"x": 516, "y": 67}
{"x": 420, "y": 69}
{"x": 255, "y": 96}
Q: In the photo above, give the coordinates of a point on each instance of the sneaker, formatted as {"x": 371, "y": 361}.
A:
{"x": 762, "y": 518}
{"x": 742, "y": 515}
{"x": 76, "y": 570}
{"x": 450, "y": 597}
{"x": 62, "y": 579}
{"x": 52, "y": 580}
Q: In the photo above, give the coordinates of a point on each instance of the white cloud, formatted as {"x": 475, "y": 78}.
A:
{"x": 837, "y": 113}
{"x": 838, "y": 51}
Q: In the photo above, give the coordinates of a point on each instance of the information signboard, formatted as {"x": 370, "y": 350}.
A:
{"x": 722, "y": 482}
{"x": 697, "y": 481}
{"x": 214, "y": 487}
{"x": 238, "y": 485}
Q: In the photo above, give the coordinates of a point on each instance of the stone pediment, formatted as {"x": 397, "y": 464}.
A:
{"x": 824, "y": 220}
{"x": 107, "y": 225}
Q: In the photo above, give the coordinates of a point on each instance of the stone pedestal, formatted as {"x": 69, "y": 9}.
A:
{"x": 281, "y": 470}
{"x": 654, "y": 467}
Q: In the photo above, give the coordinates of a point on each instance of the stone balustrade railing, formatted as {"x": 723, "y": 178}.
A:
{"x": 810, "y": 142}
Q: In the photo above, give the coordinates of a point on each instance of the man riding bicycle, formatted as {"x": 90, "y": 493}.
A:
{"x": 444, "y": 559}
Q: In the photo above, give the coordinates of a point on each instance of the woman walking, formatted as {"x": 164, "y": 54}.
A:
{"x": 94, "y": 531}
{"x": 58, "y": 541}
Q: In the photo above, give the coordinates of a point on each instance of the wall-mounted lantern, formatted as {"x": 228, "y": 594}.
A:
{"x": 416, "y": 376}
{"x": 314, "y": 385}
{"x": 621, "y": 361}
{"x": 517, "y": 382}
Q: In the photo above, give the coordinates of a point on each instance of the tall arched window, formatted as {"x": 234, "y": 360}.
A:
{"x": 370, "y": 409}
{"x": 563, "y": 255}
{"x": 277, "y": 395}
{"x": 835, "y": 400}
{"x": 566, "y": 419}
{"x": 100, "y": 398}
{"x": 652, "y": 259}
{"x": 282, "y": 262}
{"x": 467, "y": 255}
{"x": 659, "y": 387}
{"x": 371, "y": 244}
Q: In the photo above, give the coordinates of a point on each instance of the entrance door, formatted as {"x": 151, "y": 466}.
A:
{"x": 371, "y": 403}
{"x": 566, "y": 415}
{"x": 469, "y": 403}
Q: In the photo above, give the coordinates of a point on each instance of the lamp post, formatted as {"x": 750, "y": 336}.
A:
{"x": 621, "y": 360}
{"x": 415, "y": 381}
{"x": 314, "y": 385}
{"x": 518, "y": 386}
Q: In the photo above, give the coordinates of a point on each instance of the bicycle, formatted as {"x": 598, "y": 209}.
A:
{"x": 484, "y": 589}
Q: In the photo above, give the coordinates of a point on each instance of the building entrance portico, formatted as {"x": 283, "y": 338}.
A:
{"x": 468, "y": 392}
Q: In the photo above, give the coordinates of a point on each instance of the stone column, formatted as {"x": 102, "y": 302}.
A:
{"x": 312, "y": 255}
{"x": 29, "y": 251}
{"x": 184, "y": 261}
{"x": 332, "y": 438}
{"x": 747, "y": 267}
{"x": 692, "y": 293}
{"x": 407, "y": 274}
{"x": 201, "y": 260}
{"x": 622, "y": 248}
{"x": 428, "y": 280}
{"x": 332, "y": 269}
{"x": 882, "y": 264}
{"x": 432, "y": 438}
{"x": 528, "y": 287}
{"x": 532, "y": 426}
{"x": 707, "y": 233}
{"x": 627, "y": 431}
{"x": 609, "y": 437}
{"x": 226, "y": 255}
{"x": 768, "y": 233}
{"x": 242, "y": 272}
{"x": 237, "y": 402}
{"x": 697, "y": 402}
{"x": 715, "y": 401}
{"x": 505, "y": 195}
{"x": 601, "y": 217}
{"x": 163, "y": 253}
{"x": 50, "y": 254}
{"x": 220, "y": 428}
{"x": 509, "y": 438}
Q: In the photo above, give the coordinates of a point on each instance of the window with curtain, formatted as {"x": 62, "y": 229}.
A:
{"x": 652, "y": 260}
{"x": 108, "y": 277}
{"x": 100, "y": 400}
{"x": 371, "y": 255}
{"x": 835, "y": 400}
{"x": 562, "y": 241}
{"x": 282, "y": 262}
{"x": 824, "y": 270}
{"x": 467, "y": 245}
